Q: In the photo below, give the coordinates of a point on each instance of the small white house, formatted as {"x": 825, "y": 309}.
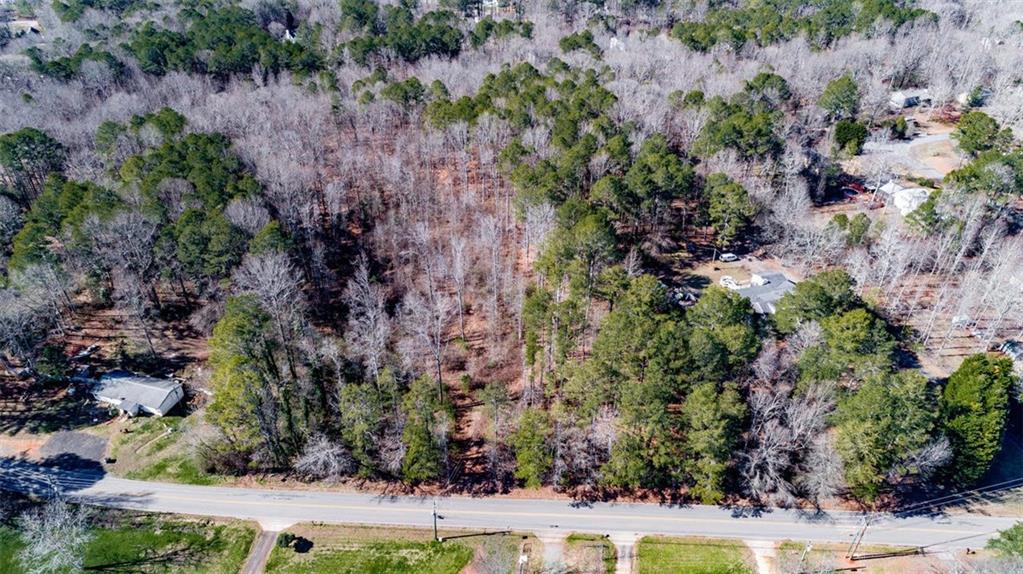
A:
{"x": 905, "y": 199}
{"x": 909, "y": 99}
{"x": 765, "y": 289}
{"x": 133, "y": 394}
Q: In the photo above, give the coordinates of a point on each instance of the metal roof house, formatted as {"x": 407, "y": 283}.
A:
{"x": 765, "y": 290}
{"x": 133, "y": 393}
{"x": 909, "y": 98}
{"x": 905, "y": 199}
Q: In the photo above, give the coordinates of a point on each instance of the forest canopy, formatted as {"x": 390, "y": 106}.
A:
{"x": 686, "y": 250}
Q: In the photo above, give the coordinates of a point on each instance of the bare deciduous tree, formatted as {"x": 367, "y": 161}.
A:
{"x": 458, "y": 270}
{"x": 324, "y": 459}
{"x": 822, "y": 475}
{"x": 247, "y": 214}
{"x": 425, "y": 323}
{"x": 55, "y": 536}
{"x": 369, "y": 326}
{"x": 278, "y": 285}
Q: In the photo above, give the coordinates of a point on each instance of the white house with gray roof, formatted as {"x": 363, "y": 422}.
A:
{"x": 133, "y": 394}
{"x": 765, "y": 290}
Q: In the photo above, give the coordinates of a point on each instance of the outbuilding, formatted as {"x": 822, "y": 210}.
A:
{"x": 134, "y": 394}
{"x": 909, "y": 99}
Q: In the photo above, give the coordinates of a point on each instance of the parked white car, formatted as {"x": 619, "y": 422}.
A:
{"x": 728, "y": 257}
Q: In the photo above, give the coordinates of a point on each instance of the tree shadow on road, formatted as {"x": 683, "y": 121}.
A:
{"x": 62, "y": 474}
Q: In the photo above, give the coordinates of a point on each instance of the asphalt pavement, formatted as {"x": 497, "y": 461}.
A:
{"x": 278, "y": 509}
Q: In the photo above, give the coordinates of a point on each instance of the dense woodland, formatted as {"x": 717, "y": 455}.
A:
{"x": 443, "y": 244}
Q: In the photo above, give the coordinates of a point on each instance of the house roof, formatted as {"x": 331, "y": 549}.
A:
{"x": 125, "y": 387}
{"x": 763, "y": 297}
{"x": 906, "y": 199}
{"x": 901, "y": 97}
{"x": 1013, "y": 349}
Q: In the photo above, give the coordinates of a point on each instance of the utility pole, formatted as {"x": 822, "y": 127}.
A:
{"x": 857, "y": 539}
{"x": 802, "y": 557}
{"x": 435, "y": 537}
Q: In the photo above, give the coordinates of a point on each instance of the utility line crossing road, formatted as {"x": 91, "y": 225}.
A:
{"x": 276, "y": 509}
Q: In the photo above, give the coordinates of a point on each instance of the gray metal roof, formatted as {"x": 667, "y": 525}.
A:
{"x": 129, "y": 387}
{"x": 763, "y": 297}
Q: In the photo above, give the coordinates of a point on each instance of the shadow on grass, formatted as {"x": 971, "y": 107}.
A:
{"x": 476, "y": 535}
{"x": 154, "y": 547}
{"x": 180, "y": 557}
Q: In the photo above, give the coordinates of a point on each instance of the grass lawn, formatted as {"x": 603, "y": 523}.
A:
{"x": 148, "y": 544}
{"x": 373, "y": 550}
{"x": 10, "y": 543}
{"x": 590, "y": 553}
{"x": 663, "y": 555}
{"x": 160, "y": 449}
{"x": 181, "y": 468}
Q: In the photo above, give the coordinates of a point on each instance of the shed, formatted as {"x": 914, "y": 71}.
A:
{"x": 765, "y": 290}
{"x": 132, "y": 393}
{"x": 909, "y": 98}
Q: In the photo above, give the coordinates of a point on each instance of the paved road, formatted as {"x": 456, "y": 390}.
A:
{"x": 276, "y": 509}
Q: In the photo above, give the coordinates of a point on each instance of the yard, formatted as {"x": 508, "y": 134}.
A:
{"x": 160, "y": 449}
{"x": 590, "y": 554}
{"x": 128, "y": 543}
{"x": 366, "y": 550}
{"x": 664, "y": 555}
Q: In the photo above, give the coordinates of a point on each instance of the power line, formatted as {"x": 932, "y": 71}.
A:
{"x": 948, "y": 498}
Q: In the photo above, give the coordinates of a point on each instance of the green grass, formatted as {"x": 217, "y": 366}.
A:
{"x": 149, "y": 452}
{"x": 661, "y": 555}
{"x": 395, "y": 557}
{"x": 181, "y": 468}
{"x": 153, "y": 545}
{"x": 147, "y": 437}
{"x": 578, "y": 541}
{"x": 10, "y": 543}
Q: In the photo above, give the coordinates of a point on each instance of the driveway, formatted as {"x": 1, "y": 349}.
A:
{"x": 906, "y": 154}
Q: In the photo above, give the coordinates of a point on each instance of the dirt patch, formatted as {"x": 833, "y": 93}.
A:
{"x": 21, "y": 446}
{"x": 941, "y": 156}
{"x": 795, "y": 557}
